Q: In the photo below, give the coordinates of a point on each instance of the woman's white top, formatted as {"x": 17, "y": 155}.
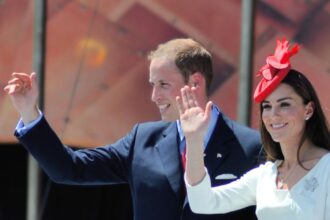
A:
{"x": 308, "y": 199}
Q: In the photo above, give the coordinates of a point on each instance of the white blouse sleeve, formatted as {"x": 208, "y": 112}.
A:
{"x": 239, "y": 194}
{"x": 327, "y": 201}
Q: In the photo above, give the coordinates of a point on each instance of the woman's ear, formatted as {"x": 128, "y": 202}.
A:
{"x": 309, "y": 110}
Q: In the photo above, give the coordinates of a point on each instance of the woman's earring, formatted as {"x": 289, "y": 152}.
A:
{"x": 306, "y": 118}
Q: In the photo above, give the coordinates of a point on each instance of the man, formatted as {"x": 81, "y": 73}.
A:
{"x": 149, "y": 157}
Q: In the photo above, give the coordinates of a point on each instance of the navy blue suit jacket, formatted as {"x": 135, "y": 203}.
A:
{"x": 148, "y": 159}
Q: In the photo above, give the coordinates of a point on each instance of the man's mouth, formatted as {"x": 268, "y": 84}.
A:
{"x": 163, "y": 107}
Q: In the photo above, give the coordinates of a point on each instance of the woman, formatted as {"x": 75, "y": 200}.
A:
{"x": 295, "y": 181}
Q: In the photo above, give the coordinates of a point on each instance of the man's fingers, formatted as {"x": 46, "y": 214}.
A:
{"x": 33, "y": 78}
{"x": 20, "y": 75}
{"x": 26, "y": 78}
{"x": 7, "y": 88}
{"x": 12, "y": 89}
{"x": 20, "y": 84}
{"x": 15, "y": 81}
{"x": 15, "y": 89}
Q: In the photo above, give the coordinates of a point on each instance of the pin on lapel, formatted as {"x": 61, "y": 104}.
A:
{"x": 219, "y": 155}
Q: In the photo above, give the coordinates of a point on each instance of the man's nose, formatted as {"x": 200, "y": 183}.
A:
{"x": 155, "y": 94}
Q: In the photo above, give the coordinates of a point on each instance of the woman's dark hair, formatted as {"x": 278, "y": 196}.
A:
{"x": 316, "y": 130}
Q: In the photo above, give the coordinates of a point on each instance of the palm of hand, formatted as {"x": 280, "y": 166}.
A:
{"x": 25, "y": 99}
{"x": 194, "y": 121}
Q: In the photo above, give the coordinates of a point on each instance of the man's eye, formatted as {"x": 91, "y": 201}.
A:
{"x": 164, "y": 85}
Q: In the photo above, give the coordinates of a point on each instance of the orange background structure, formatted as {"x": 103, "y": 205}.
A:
{"x": 96, "y": 67}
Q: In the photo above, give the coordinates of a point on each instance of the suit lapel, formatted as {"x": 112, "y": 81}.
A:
{"x": 168, "y": 149}
{"x": 218, "y": 148}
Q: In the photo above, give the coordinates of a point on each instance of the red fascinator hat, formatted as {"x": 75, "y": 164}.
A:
{"x": 276, "y": 68}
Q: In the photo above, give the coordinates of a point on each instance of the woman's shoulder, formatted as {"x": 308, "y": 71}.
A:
{"x": 325, "y": 157}
{"x": 321, "y": 157}
{"x": 324, "y": 153}
{"x": 264, "y": 170}
{"x": 267, "y": 166}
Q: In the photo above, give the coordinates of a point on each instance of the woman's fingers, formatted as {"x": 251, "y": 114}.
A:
{"x": 208, "y": 109}
{"x": 184, "y": 98}
{"x": 179, "y": 104}
{"x": 189, "y": 99}
{"x": 194, "y": 97}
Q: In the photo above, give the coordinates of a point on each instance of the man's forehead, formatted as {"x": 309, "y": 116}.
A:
{"x": 158, "y": 80}
{"x": 170, "y": 76}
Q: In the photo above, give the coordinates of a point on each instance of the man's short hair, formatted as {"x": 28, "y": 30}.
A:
{"x": 189, "y": 56}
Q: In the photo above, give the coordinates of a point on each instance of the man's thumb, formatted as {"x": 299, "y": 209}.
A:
{"x": 33, "y": 78}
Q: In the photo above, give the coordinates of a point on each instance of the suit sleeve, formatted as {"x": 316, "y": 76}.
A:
{"x": 98, "y": 166}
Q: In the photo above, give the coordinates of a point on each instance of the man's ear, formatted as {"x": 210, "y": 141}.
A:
{"x": 196, "y": 80}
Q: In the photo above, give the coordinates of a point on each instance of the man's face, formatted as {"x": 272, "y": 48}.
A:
{"x": 166, "y": 81}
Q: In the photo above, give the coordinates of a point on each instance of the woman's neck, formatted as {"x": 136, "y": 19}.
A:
{"x": 290, "y": 150}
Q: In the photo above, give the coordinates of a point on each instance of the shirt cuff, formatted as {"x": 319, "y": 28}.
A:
{"x": 22, "y": 129}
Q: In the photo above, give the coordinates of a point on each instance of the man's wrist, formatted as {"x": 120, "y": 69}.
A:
{"x": 30, "y": 116}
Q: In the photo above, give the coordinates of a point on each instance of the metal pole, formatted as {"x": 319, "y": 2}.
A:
{"x": 246, "y": 61}
{"x": 34, "y": 174}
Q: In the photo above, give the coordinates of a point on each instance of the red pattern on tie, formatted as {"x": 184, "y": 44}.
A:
{"x": 183, "y": 158}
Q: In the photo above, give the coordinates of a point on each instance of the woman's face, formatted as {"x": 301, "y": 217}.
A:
{"x": 284, "y": 114}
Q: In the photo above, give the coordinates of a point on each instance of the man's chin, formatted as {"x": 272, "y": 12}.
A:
{"x": 168, "y": 119}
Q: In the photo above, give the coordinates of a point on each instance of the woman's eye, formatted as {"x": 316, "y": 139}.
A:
{"x": 285, "y": 104}
{"x": 266, "y": 106}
